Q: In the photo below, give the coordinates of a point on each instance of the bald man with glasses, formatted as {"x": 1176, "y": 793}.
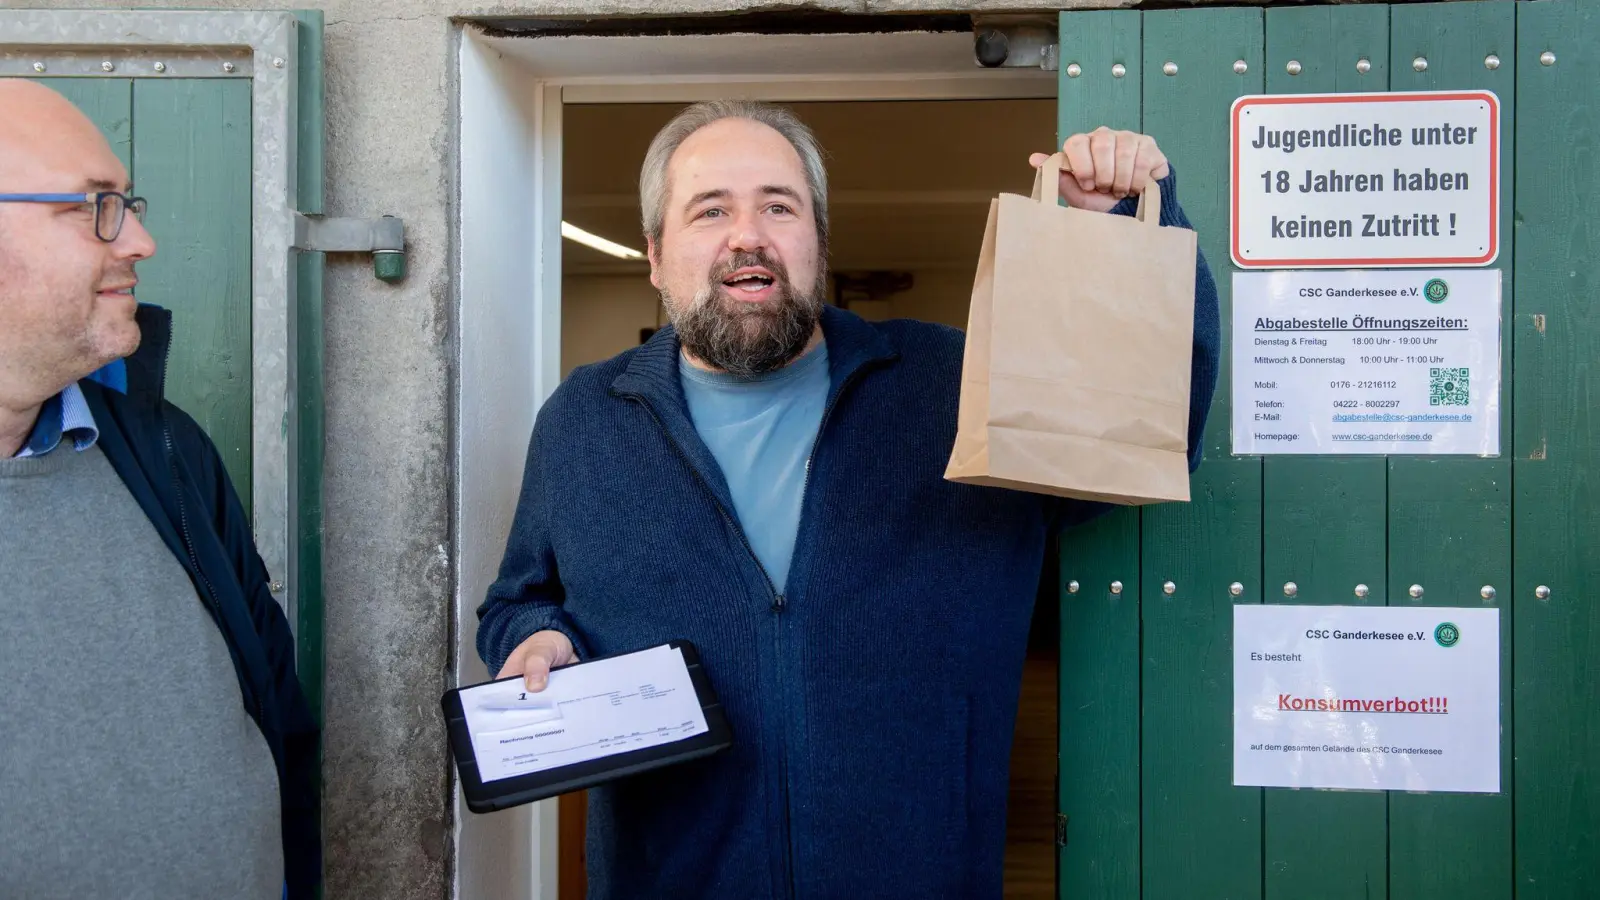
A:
{"x": 154, "y": 738}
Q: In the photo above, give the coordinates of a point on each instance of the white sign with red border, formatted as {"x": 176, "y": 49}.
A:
{"x": 1365, "y": 180}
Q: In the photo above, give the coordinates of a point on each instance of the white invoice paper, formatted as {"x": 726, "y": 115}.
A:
{"x": 585, "y": 712}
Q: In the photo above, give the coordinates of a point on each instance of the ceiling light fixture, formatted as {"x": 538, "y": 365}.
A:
{"x": 574, "y": 233}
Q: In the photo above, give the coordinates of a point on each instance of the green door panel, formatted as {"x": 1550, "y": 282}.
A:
{"x": 1148, "y": 804}
{"x": 1324, "y": 516}
{"x": 1099, "y": 697}
{"x": 192, "y": 160}
{"x": 1201, "y": 835}
{"x": 1450, "y": 517}
{"x": 1556, "y": 504}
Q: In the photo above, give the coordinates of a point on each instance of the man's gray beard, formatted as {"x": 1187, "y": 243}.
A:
{"x": 747, "y": 339}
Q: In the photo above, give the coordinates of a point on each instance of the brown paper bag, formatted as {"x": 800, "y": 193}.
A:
{"x": 1075, "y": 380}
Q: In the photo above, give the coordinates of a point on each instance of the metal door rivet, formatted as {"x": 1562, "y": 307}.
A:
{"x": 1169, "y": 588}
{"x": 1169, "y": 67}
{"x": 1293, "y": 68}
{"x": 38, "y": 67}
{"x": 1415, "y": 592}
{"x": 1491, "y": 62}
{"x": 108, "y": 66}
{"x": 1116, "y": 587}
{"x": 1072, "y": 587}
{"x": 1119, "y": 70}
{"x": 228, "y": 67}
{"x": 1363, "y": 65}
{"x": 1074, "y": 70}
{"x": 1547, "y": 58}
{"x": 1420, "y": 64}
{"x": 1542, "y": 592}
{"x": 1236, "y": 589}
{"x": 1240, "y": 67}
{"x": 277, "y": 62}
{"x": 276, "y": 587}
{"x": 1290, "y": 589}
{"x": 161, "y": 67}
{"x": 1487, "y": 592}
{"x": 1362, "y": 590}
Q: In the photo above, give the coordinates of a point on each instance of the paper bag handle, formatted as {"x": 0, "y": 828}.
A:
{"x": 1050, "y": 173}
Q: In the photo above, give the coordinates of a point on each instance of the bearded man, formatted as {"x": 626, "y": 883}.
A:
{"x": 764, "y": 478}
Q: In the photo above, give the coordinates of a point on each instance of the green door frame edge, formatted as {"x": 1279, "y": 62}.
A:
{"x": 307, "y": 352}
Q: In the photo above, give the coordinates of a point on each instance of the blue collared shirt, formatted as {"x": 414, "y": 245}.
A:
{"x": 62, "y": 416}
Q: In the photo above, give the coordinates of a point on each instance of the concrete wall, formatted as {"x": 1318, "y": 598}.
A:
{"x": 390, "y": 98}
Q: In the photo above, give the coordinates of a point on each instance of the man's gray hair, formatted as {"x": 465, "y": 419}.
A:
{"x": 653, "y": 185}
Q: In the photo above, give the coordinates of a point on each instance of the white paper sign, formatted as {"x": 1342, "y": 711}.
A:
{"x": 1366, "y": 180}
{"x": 1403, "y": 698}
{"x": 585, "y": 712}
{"x": 1364, "y": 362}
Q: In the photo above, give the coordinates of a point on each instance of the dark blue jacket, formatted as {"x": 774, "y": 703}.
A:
{"x": 873, "y": 703}
{"x": 172, "y": 469}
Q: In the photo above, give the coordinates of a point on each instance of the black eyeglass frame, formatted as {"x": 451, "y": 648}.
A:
{"x": 123, "y": 204}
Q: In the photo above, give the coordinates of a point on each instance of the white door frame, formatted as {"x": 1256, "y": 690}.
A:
{"x": 508, "y": 277}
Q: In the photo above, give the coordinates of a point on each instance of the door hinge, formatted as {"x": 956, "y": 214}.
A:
{"x": 384, "y": 238}
{"x": 1061, "y": 830}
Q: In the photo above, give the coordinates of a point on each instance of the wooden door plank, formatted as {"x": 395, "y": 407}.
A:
{"x": 1557, "y": 459}
{"x": 191, "y": 148}
{"x": 1449, "y": 517}
{"x": 1098, "y": 781}
{"x": 1324, "y": 515}
{"x": 1201, "y": 835}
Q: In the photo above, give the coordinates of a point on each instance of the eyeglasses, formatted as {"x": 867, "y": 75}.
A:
{"x": 110, "y": 208}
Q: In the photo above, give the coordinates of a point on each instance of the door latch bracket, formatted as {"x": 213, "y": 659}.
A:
{"x": 384, "y": 238}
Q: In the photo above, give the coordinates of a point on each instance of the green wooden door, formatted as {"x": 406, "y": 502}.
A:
{"x": 187, "y": 136}
{"x": 186, "y": 143}
{"x": 1146, "y": 717}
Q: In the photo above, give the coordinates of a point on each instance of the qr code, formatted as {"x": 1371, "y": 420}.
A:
{"x": 1448, "y": 387}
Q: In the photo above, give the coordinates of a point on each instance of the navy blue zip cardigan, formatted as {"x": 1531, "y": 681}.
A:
{"x": 174, "y": 472}
{"x": 873, "y": 703}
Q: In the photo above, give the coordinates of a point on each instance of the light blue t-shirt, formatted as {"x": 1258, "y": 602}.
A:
{"x": 761, "y": 430}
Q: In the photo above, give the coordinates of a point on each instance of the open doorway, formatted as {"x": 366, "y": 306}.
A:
{"x": 910, "y": 184}
{"x": 552, "y": 131}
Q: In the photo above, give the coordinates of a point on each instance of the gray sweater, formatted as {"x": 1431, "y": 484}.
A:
{"x": 129, "y": 766}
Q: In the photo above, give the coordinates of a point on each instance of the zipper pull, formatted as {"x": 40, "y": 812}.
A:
{"x": 778, "y": 603}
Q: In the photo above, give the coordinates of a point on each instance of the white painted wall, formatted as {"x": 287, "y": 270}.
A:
{"x": 506, "y": 371}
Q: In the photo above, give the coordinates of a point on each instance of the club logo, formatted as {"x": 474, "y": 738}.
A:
{"x": 1436, "y": 290}
{"x": 1447, "y": 634}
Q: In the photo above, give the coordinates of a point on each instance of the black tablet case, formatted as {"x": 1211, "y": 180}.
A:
{"x": 515, "y": 791}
